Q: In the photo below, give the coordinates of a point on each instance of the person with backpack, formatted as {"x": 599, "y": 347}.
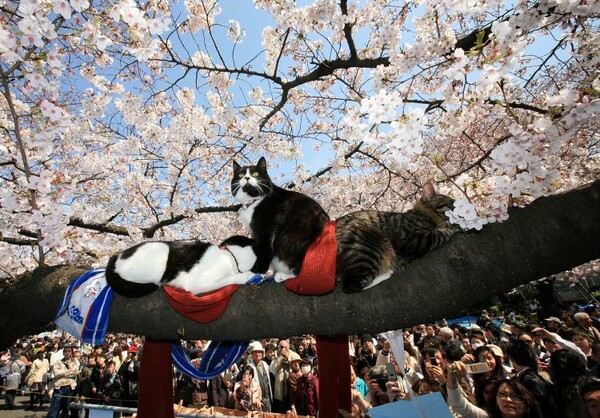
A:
{"x": 13, "y": 380}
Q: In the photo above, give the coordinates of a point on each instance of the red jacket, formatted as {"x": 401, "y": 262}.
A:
{"x": 307, "y": 401}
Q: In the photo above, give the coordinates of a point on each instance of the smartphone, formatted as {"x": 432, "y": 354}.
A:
{"x": 476, "y": 368}
{"x": 433, "y": 361}
{"x": 391, "y": 373}
{"x": 395, "y": 381}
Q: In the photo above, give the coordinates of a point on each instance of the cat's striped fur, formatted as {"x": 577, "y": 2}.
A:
{"x": 373, "y": 244}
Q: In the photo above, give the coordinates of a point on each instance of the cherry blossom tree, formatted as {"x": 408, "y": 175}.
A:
{"x": 120, "y": 119}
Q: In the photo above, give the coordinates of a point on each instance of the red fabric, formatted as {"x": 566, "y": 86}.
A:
{"x": 204, "y": 308}
{"x": 317, "y": 276}
{"x": 155, "y": 389}
{"x": 334, "y": 375}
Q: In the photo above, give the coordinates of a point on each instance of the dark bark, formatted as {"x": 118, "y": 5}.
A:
{"x": 551, "y": 235}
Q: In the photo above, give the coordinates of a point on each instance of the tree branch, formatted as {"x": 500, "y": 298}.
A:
{"x": 100, "y": 227}
{"x": 553, "y": 234}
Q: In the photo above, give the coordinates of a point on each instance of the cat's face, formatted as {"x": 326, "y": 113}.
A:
{"x": 250, "y": 183}
{"x": 434, "y": 204}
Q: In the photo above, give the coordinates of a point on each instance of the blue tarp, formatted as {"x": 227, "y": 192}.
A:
{"x": 431, "y": 405}
{"x": 467, "y": 321}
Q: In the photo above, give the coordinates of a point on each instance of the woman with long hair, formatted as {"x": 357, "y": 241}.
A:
{"x": 568, "y": 372}
{"x": 494, "y": 361}
{"x": 506, "y": 398}
{"x": 484, "y": 392}
{"x": 513, "y": 400}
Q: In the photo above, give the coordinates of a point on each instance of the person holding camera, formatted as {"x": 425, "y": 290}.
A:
{"x": 246, "y": 393}
{"x": 507, "y": 398}
{"x": 383, "y": 386}
{"x": 280, "y": 367}
{"x": 367, "y": 353}
{"x": 434, "y": 364}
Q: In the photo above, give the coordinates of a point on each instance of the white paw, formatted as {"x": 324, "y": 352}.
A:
{"x": 280, "y": 277}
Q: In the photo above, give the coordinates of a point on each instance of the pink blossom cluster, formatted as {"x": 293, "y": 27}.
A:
{"x": 120, "y": 119}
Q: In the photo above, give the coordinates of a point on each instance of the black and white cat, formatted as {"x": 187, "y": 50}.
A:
{"x": 195, "y": 266}
{"x": 283, "y": 222}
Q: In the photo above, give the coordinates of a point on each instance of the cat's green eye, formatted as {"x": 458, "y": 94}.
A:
{"x": 254, "y": 174}
{"x": 241, "y": 175}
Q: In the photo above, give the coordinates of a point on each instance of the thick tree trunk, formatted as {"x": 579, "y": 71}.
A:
{"x": 552, "y": 235}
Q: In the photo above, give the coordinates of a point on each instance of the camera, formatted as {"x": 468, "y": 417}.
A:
{"x": 391, "y": 373}
{"x": 476, "y": 368}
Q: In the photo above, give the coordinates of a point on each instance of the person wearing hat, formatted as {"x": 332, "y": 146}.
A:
{"x": 262, "y": 374}
{"x": 294, "y": 375}
{"x": 130, "y": 370}
{"x": 517, "y": 328}
{"x": 555, "y": 325}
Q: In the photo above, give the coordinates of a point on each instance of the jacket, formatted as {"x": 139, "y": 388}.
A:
{"x": 37, "y": 373}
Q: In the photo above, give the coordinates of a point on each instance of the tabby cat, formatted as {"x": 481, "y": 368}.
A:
{"x": 283, "y": 222}
{"x": 195, "y": 266}
{"x": 372, "y": 244}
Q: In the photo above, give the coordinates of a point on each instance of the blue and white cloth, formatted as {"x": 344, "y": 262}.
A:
{"x": 84, "y": 313}
{"x": 85, "y": 308}
{"x": 217, "y": 358}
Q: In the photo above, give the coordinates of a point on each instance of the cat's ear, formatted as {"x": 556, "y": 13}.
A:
{"x": 428, "y": 191}
{"x": 262, "y": 164}
{"x": 236, "y": 166}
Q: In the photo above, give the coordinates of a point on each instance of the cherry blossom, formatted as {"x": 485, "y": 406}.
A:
{"x": 381, "y": 107}
{"x": 127, "y": 115}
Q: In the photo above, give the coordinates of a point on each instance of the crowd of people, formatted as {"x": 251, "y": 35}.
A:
{"x": 512, "y": 367}
{"x": 60, "y": 369}
{"x": 518, "y": 368}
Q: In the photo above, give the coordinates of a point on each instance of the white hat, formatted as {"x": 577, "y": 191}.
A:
{"x": 256, "y": 346}
{"x": 294, "y": 356}
{"x": 496, "y": 350}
